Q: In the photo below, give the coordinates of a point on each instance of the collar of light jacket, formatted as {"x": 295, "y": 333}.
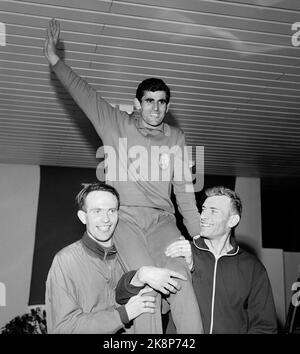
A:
{"x": 102, "y": 252}
{"x": 163, "y": 128}
{"x": 199, "y": 243}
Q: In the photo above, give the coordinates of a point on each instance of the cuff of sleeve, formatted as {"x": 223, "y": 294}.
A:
{"x": 132, "y": 289}
{"x": 56, "y": 64}
{"x": 123, "y": 314}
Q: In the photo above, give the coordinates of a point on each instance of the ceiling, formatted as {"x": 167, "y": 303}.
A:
{"x": 232, "y": 66}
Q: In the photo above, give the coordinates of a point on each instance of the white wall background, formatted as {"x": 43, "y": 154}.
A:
{"x": 19, "y": 188}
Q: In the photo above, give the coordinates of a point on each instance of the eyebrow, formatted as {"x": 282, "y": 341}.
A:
{"x": 112, "y": 208}
{"x": 152, "y": 99}
{"x": 212, "y": 208}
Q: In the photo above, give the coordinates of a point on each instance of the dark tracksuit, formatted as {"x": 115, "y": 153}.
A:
{"x": 233, "y": 291}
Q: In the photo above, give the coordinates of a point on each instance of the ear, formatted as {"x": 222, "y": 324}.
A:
{"x": 82, "y": 216}
{"x": 137, "y": 104}
{"x": 234, "y": 220}
{"x": 168, "y": 106}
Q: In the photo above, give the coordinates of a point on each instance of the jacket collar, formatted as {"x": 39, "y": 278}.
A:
{"x": 162, "y": 129}
{"x": 200, "y": 244}
{"x": 102, "y": 252}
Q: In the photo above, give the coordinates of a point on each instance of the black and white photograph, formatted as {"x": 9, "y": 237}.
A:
{"x": 149, "y": 170}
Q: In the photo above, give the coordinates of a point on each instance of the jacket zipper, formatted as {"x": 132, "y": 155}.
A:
{"x": 214, "y": 280}
{"x": 213, "y": 296}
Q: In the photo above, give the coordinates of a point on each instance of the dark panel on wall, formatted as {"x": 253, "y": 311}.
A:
{"x": 280, "y": 213}
{"x": 57, "y": 222}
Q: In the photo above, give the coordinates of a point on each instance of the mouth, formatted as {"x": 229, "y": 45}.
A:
{"x": 104, "y": 228}
{"x": 203, "y": 224}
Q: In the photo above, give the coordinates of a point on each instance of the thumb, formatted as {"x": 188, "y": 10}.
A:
{"x": 177, "y": 275}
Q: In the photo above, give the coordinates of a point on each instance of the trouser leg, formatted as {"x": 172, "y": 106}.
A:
{"x": 132, "y": 248}
{"x": 184, "y": 306}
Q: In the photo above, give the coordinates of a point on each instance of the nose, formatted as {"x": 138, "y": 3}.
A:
{"x": 156, "y": 107}
{"x": 203, "y": 215}
{"x": 104, "y": 216}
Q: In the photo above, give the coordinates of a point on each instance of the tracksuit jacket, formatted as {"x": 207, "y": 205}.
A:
{"x": 233, "y": 291}
{"x": 80, "y": 290}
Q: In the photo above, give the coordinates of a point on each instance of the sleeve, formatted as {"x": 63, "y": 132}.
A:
{"x": 184, "y": 190}
{"x": 261, "y": 307}
{"x": 64, "y": 313}
{"x": 101, "y": 114}
{"x": 124, "y": 290}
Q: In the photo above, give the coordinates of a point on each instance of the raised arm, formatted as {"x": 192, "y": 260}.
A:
{"x": 52, "y": 37}
{"x": 98, "y": 110}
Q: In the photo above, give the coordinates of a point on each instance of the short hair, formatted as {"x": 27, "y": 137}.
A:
{"x": 93, "y": 187}
{"x": 152, "y": 84}
{"x": 236, "y": 204}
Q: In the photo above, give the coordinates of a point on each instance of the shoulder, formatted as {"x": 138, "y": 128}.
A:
{"x": 68, "y": 253}
{"x": 250, "y": 261}
{"x": 175, "y": 134}
{"x": 175, "y": 131}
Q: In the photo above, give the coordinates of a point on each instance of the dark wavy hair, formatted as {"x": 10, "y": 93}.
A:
{"x": 97, "y": 186}
{"x": 152, "y": 84}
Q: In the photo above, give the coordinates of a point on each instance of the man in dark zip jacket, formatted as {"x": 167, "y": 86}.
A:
{"x": 232, "y": 286}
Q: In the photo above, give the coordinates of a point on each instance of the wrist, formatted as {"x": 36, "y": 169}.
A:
{"x": 53, "y": 59}
{"x": 139, "y": 277}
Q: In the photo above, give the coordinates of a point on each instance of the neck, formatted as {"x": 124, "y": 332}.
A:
{"x": 149, "y": 126}
{"x": 220, "y": 245}
{"x": 105, "y": 244}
